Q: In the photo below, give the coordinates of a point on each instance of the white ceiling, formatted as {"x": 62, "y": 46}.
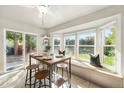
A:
{"x": 57, "y": 14}
{"x": 90, "y": 25}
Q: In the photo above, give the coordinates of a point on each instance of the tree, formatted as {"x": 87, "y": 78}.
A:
{"x": 89, "y": 40}
{"x": 30, "y": 43}
{"x": 10, "y": 35}
{"x": 16, "y": 38}
{"x": 110, "y": 40}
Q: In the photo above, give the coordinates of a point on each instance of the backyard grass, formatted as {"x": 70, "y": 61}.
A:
{"x": 84, "y": 56}
{"x": 109, "y": 60}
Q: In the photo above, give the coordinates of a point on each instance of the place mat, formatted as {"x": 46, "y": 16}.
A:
{"x": 46, "y": 58}
{"x": 59, "y": 56}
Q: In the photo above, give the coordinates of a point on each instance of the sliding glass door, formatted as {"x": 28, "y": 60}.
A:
{"x": 14, "y": 49}
{"x": 18, "y": 47}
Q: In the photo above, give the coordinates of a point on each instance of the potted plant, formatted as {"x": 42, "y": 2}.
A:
{"x": 47, "y": 48}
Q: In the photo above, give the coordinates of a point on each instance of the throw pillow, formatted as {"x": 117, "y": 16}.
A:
{"x": 62, "y": 52}
{"x": 95, "y": 60}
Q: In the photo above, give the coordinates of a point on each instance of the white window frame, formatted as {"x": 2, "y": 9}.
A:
{"x": 70, "y": 34}
{"x": 53, "y": 38}
{"x": 83, "y": 32}
{"x": 103, "y": 45}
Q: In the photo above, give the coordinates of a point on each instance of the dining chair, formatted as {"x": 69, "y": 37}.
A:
{"x": 33, "y": 68}
{"x": 63, "y": 65}
{"x": 41, "y": 75}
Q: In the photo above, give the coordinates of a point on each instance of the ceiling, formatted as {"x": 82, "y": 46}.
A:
{"x": 89, "y": 25}
{"x": 57, "y": 14}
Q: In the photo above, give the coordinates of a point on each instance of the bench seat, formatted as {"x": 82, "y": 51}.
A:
{"x": 100, "y": 76}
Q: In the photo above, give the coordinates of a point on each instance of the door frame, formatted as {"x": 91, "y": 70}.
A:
{"x": 23, "y": 41}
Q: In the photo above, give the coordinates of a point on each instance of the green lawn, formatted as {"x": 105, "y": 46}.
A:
{"x": 107, "y": 60}
{"x": 84, "y": 56}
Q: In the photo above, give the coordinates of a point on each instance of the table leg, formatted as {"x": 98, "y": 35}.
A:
{"x": 70, "y": 72}
{"x": 50, "y": 76}
{"x": 30, "y": 70}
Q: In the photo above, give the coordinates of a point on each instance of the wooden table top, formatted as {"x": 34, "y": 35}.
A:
{"x": 49, "y": 59}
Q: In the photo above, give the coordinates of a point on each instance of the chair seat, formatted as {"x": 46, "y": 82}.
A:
{"x": 62, "y": 65}
{"x": 41, "y": 74}
{"x": 33, "y": 66}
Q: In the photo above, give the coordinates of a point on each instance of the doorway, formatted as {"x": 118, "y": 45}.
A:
{"x": 18, "y": 47}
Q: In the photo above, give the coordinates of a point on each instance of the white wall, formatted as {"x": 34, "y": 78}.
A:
{"x": 9, "y": 24}
{"x": 1, "y": 50}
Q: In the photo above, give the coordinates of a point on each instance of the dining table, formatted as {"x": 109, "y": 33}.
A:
{"x": 50, "y": 62}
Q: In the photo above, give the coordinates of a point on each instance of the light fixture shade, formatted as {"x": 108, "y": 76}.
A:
{"x": 42, "y": 9}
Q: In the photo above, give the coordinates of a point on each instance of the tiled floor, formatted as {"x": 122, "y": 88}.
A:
{"x": 18, "y": 80}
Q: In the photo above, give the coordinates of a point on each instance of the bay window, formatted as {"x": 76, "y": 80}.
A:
{"x": 101, "y": 40}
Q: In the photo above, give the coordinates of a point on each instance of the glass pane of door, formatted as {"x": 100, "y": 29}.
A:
{"x": 30, "y": 46}
{"x": 14, "y": 50}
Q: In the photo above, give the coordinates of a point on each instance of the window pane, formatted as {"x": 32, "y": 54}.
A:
{"x": 85, "y": 51}
{"x": 110, "y": 36}
{"x": 14, "y": 50}
{"x": 109, "y": 55}
{"x": 69, "y": 40}
{"x": 56, "y": 48}
{"x": 86, "y": 38}
{"x": 30, "y": 46}
{"x": 69, "y": 51}
{"x": 56, "y": 41}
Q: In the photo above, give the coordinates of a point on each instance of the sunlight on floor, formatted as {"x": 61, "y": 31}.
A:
{"x": 18, "y": 80}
